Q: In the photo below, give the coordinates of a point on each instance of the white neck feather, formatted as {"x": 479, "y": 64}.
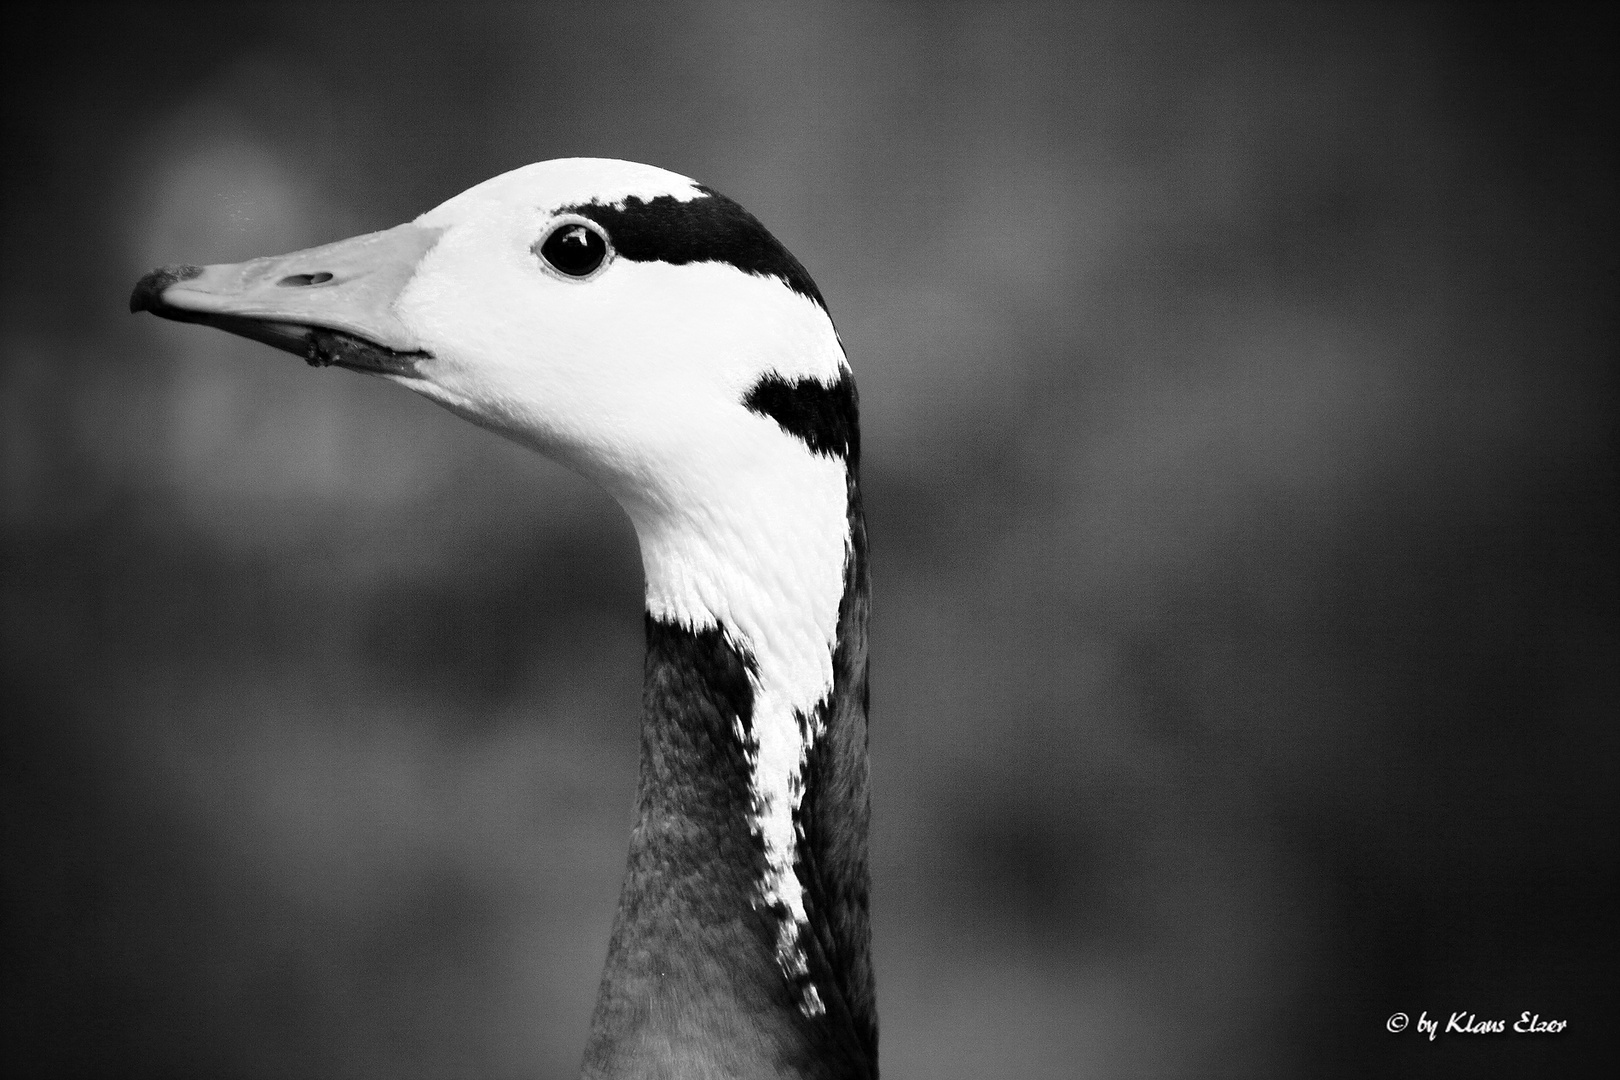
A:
{"x": 762, "y": 556}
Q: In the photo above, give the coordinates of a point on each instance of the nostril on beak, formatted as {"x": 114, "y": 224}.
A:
{"x": 299, "y": 280}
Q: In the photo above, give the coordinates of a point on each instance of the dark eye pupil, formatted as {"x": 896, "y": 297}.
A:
{"x": 574, "y": 250}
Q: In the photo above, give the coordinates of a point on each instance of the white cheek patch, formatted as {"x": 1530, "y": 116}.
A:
{"x": 632, "y": 364}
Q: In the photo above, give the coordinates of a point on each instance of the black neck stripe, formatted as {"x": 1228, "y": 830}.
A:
{"x": 709, "y": 228}
{"x": 825, "y": 417}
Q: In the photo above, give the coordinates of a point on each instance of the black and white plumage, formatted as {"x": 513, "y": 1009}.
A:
{"x": 652, "y": 335}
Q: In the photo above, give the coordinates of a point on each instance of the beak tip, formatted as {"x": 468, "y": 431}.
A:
{"x": 148, "y": 294}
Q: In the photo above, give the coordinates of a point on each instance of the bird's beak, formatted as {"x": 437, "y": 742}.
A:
{"x": 330, "y": 305}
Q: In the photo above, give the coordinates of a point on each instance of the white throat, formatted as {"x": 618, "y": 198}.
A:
{"x": 762, "y": 556}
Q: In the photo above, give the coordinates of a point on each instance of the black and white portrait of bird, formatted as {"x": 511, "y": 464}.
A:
{"x": 652, "y": 335}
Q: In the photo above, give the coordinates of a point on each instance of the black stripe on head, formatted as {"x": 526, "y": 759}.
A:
{"x": 709, "y": 228}
{"x": 826, "y": 417}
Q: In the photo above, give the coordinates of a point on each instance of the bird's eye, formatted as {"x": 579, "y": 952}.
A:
{"x": 575, "y": 249}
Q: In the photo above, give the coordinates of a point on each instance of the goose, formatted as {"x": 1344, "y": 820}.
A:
{"x": 649, "y": 333}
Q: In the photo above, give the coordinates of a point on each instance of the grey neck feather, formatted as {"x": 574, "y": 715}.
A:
{"x": 692, "y": 986}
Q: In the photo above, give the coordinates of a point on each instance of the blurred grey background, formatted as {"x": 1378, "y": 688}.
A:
{"x": 1238, "y": 387}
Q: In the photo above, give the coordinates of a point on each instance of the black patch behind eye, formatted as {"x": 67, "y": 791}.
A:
{"x": 709, "y": 228}
{"x": 826, "y": 418}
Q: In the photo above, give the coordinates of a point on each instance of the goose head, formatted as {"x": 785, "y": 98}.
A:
{"x": 614, "y": 316}
{"x": 651, "y": 334}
